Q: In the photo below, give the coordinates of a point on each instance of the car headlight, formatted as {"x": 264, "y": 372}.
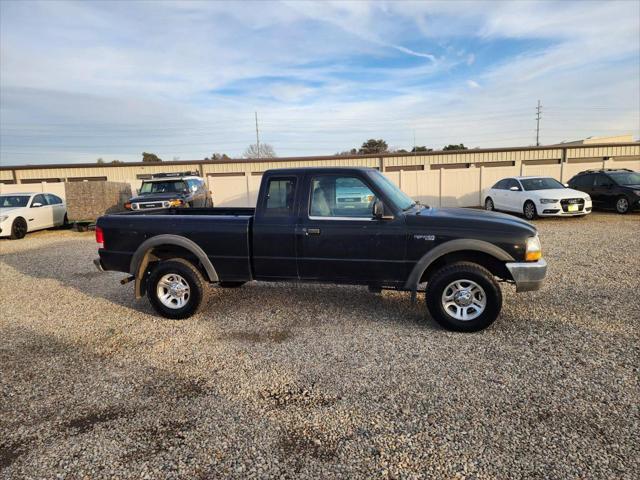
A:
{"x": 548, "y": 200}
{"x": 3, "y": 218}
{"x": 533, "y": 251}
{"x": 176, "y": 202}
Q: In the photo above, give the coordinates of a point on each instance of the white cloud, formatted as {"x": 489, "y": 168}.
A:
{"x": 473, "y": 84}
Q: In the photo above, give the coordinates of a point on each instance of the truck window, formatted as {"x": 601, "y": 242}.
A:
{"x": 333, "y": 196}
{"x": 280, "y": 197}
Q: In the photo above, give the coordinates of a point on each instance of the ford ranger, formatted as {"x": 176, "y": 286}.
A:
{"x": 332, "y": 225}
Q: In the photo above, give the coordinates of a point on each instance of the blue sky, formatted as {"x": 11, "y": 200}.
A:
{"x": 83, "y": 80}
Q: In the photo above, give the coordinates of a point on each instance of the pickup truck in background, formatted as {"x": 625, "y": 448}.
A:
{"x": 330, "y": 225}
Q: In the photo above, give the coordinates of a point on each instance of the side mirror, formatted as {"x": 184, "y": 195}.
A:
{"x": 566, "y": 185}
{"x": 36, "y": 205}
{"x": 515, "y": 189}
{"x": 378, "y": 209}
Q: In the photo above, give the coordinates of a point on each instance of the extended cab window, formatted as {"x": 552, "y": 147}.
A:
{"x": 334, "y": 196}
{"x": 280, "y": 192}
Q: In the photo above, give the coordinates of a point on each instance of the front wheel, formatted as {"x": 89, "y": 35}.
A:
{"x": 18, "y": 228}
{"x": 622, "y": 205}
{"x": 175, "y": 288}
{"x": 463, "y": 297}
{"x": 488, "y": 204}
{"x": 529, "y": 210}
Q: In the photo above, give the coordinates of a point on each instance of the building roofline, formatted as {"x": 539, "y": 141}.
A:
{"x": 312, "y": 158}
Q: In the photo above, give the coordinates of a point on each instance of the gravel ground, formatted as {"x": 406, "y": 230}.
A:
{"x": 308, "y": 381}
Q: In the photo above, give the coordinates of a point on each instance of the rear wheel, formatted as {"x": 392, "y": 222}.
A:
{"x": 176, "y": 288}
{"x": 529, "y": 210}
{"x": 18, "y": 228}
{"x": 622, "y": 205}
{"x": 488, "y": 204}
{"x": 464, "y": 297}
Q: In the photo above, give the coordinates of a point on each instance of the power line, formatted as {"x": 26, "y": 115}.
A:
{"x": 538, "y": 114}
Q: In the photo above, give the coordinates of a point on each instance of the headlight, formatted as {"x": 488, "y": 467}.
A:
{"x": 533, "y": 252}
{"x": 548, "y": 200}
{"x": 176, "y": 202}
{"x": 135, "y": 206}
{"x": 3, "y": 218}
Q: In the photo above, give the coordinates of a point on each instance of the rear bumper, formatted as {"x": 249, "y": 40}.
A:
{"x": 528, "y": 276}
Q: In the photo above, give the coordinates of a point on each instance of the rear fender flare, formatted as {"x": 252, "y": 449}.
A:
{"x": 450, "y": 247}
{"x": 143, "y": 254}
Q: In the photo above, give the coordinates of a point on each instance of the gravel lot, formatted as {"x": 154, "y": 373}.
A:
{"x": 296, "y": 381}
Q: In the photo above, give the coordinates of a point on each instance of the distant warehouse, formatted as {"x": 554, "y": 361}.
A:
{"x": 439, "y": 178}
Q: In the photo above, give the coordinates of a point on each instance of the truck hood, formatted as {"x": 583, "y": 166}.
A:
{"x": 152, "y": 197}
{"x": 491, "y": 219}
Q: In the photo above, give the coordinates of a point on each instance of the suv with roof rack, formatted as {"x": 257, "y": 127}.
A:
{"x": 176, "y": 189}
{"x": 610, "y": 188}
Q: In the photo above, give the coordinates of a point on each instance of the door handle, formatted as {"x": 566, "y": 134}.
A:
{"x": 311, "y": 231}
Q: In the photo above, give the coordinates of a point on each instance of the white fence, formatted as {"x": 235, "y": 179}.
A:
{"x": 56, "y": 188}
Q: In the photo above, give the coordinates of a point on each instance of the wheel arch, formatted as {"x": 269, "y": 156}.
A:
{"x": 168, "y": 246}
{"x": 484, "y": 253}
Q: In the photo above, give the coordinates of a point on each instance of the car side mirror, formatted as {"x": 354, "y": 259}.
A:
{"x": 378, "y": 209}
{"x": 36, "y": 205}
{"x": 566, "y": 185}
{"x": 514, "y": 189}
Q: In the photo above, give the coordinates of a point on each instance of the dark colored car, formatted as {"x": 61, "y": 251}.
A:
{"x": 617, "y": 189}
{"x": 302, "y": 229}
{"x": 166, "y": 190}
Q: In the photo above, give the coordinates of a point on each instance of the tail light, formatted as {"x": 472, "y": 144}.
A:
{"x": 99, "y": 236}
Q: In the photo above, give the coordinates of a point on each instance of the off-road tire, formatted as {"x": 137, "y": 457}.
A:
{"x": 463, "y": 271}
{"x": 18, "y": 228}
{"x": 197, "y": 285}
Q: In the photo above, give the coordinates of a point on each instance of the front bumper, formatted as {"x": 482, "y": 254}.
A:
{"x": 528, "y": 276}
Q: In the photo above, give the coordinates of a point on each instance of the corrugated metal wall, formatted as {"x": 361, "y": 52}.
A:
{"x": 448, "y": 179}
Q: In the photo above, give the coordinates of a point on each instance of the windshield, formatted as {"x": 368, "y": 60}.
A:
{"x": 10, "y": 201}
{"x": 175, "y": 186}
{"x": 540, "y": 184}
{"x": 397, "y": 196}
{"x": 625, "y": 178}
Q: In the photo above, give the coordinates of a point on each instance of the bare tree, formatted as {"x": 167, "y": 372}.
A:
{"x": 265, "y": 151}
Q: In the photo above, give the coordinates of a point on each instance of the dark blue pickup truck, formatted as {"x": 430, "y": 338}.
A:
{"x": 332, "y": 225}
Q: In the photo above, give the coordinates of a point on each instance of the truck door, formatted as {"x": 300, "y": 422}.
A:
{"x": 274, "y": 246}
{"x": 339, "y": 239}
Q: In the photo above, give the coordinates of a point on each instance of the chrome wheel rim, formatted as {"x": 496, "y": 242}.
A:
{"x": 464, "y": 300}
{"x": 173, "y": 291}
{"x": 622, "y": 205}
{"x": 529, "y": 210}
{"x": 489, "y": 205}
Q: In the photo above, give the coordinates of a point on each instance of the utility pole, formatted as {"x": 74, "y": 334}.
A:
{"x": 414, "y": 142}
{"x": 538, "y": 115}
{"x": 257, "y": 137}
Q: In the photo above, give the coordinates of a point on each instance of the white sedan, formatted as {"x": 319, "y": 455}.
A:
{"x": 536, "y": 197}
{"x": 25, "y": 212}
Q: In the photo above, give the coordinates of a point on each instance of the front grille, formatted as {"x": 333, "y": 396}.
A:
{"x": 572, "y": 201}
{"x": 148, "y": 205}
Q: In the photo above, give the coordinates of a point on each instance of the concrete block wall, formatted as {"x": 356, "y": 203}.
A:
{"x": 89, "y": 200}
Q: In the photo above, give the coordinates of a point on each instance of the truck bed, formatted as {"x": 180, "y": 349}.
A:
{"x": 223, "y": 233}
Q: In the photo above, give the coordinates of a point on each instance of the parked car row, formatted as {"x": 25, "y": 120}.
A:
{"x": 534, "y": 197}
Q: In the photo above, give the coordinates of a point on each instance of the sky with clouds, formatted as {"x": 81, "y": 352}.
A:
{"x": 83, "y": 80}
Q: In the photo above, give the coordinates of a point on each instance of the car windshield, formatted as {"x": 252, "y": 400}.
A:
{"x": 540, "y": 184}
{"x": 625, "y": 178}
{"x": 397, "y": 196}
{"x": 10, "y": 201}
{"x": 175, "y": 186}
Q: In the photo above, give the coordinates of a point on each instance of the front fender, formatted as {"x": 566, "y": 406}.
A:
{"x": 449, "y": 247}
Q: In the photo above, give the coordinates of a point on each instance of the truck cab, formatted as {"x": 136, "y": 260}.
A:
{"x": 330, "y": 225}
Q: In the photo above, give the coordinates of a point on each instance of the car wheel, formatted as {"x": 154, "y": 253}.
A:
{"x": 18, "y": 228}
{"x": 464, "y": 297}
{"x": 65, "y": 220}
{"x": 176, "y": 288}
{"x": 529, "y": 210}
{"x": 231, "y": 284}
{"x": 488, "y": 204}
{"x": 622, "y": 205}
